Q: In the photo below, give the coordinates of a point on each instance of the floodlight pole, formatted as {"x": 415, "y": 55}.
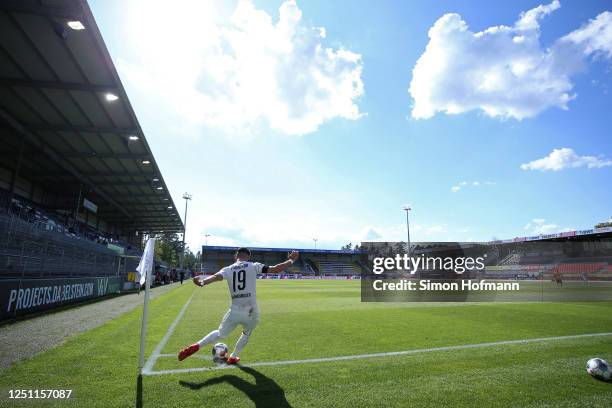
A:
{"x": 202, "y": 253}
{"x": 315, "y": 242}
{"x": 186, "y": 197}
{"x": 407, "y": 208}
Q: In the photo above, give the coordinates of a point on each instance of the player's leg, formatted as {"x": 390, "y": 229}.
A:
{"x": 240, "y": 344}
{"x": 248, "y": 326}
{"x": 227, "y": 325}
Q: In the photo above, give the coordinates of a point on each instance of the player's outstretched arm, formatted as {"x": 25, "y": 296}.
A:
{"x": 213, "y": 278}
{"x": 292, "y": 257}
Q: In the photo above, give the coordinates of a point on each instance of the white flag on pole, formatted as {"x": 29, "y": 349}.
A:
{"x": 144, "y": 269}
{"x": 146, "y": 262}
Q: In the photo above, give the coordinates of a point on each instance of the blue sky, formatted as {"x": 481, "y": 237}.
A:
{"x": 288, "y": 121}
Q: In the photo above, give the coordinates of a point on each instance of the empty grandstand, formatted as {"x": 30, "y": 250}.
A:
{"x": 79, "y": 186}
{"x": 312, "y": 262}
{"x": 584, "y": 255}
{"x": 29, "y": 250}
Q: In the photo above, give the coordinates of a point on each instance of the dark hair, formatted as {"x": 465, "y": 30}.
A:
{"x": 244, "y": 251}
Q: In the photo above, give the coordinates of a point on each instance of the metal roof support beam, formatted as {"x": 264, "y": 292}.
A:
{"x": 54, "y": 174}
{"x": 15, "y": 175}
{"x": 67, "y": 86}
{"x": 143, "y": 211}
{"x": 92, "y": 155}
{"x": 142, "y": 195}
{"x": 151, "y": 227}
{"x": 21, "y": 6}
{"x": 124, "y": 183}
{"x": 57, "y": 158}
{"x": 84, "y": 129}
{"x": 160, "y": 217}
{"x": 155, "y": 224}
{"x": 156, "y": 218}
{"x": 105, "y": 55}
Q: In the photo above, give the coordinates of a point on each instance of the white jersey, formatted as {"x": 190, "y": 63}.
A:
{"x": 241, "y": 280}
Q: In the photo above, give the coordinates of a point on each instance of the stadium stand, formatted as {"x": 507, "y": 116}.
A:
{"x": 338, "y": 268}
{"x": 211, "y": 266}
{"x": 312, "y": 262}
{"x": 511, "y": 259}
{"x": 310, "y": 267}
{"x": 72, "y": 145}
{"x": 30, "y": 250}
{"x": 79, "y": 186}
{"x": 75, "y": 168}
{"x": 577, "y": 255}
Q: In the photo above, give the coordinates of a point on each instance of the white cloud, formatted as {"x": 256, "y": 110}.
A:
{"x": 240, "y": 74}
{"x": 397, "y": 233}
{"x": 456, "y": 188}
{"x": 459, "y": 186}
{"x": 371, "y": 234}
{"x": 595, "y": 37}
{"x": 434, "y": 229}
{"x": 503, "y": 71}
{"x": 539, "y": 226}
{"x": 564, "y": 158}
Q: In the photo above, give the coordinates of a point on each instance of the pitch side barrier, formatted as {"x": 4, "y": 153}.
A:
{"x": 306, "y": 277}
{"x": 19, "y": 297}
{"x": 312, "y": 277}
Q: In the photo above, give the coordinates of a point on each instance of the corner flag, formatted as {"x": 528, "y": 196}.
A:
{"x": 144, "y": 269}
{"x": 146, "y": 262}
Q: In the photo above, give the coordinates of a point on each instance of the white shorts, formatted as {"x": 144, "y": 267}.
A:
{"x": 248, "y": 317}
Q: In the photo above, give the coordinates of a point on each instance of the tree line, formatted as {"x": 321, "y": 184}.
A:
{"x": 168, "y": 248}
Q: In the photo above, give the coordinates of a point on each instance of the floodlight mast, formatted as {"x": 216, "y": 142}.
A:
{"x": 407, "y": 208}
{"x": 187, "y": 198}
{"x": 202, "y": 254}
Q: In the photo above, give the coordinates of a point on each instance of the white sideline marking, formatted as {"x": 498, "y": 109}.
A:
{"x": 147, "y": 369}
{"x": 200, "y": 356}
{"x": 375, "y": 355}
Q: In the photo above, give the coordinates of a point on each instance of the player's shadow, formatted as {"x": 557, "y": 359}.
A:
{"x": 264, "y": 393}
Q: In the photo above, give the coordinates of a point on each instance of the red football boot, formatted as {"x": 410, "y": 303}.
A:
{"x": 187, "y": 351}
{"x": 233, "y": 360}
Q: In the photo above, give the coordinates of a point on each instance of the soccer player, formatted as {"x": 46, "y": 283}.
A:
{"x": 241, "y": 277}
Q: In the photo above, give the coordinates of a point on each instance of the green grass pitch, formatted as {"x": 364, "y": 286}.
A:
{"x": 321, "y": 319}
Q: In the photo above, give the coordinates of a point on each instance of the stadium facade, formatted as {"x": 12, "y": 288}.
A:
{"x": 572, "y": 255}
{"x": 584, "y": 255}
{"x": 312, "y": 262}
{"x": 79, "y": 186}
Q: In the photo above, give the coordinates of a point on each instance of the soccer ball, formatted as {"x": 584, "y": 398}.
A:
{"x": 599, "y": 369}
{"x": 219, "y": 351}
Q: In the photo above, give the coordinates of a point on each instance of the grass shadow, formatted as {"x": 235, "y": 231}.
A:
{"x": 264, "y": 393}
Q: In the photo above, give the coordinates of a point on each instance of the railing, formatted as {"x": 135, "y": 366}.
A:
{"x": 29, "y": 250}
{"x": 337, "y": 268}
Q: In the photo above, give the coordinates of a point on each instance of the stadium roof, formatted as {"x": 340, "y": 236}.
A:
{"x": 262, "y": 249}
{"x": 64, "y": 110}
{"x": 591, "y": 233}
